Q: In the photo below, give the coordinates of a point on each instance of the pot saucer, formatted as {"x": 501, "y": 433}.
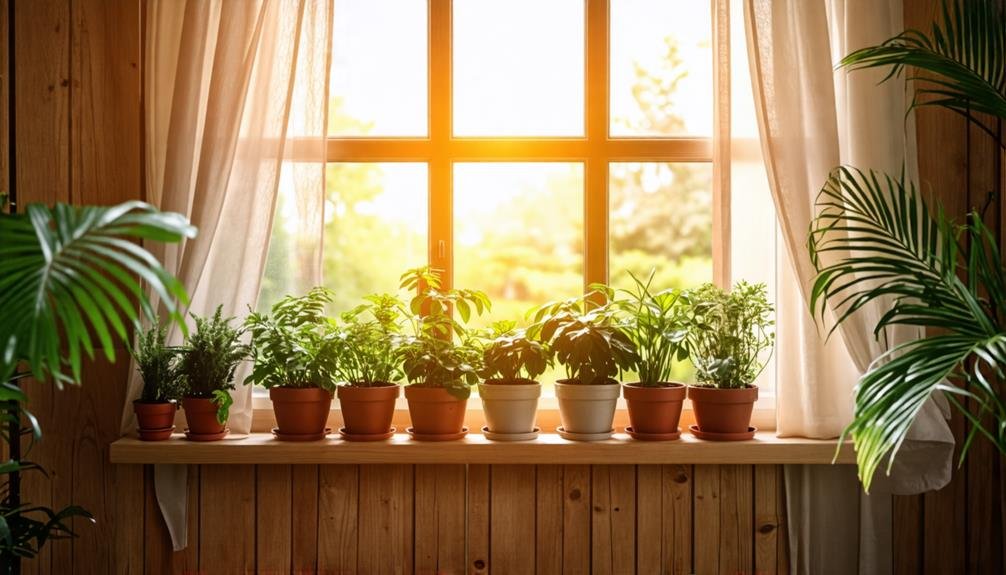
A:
{"x": 436, "y": 436}
{"x": 713, "y": 436}
{"x": 366, "y": 436}
{"x": 206, "y": 436}
{"x": 300, "y": 436}
{"x": 493, "y": 436}
{"x": 156, "y": 434}
{"x": 653, "y": 436}
{"x": 584, "y": 436}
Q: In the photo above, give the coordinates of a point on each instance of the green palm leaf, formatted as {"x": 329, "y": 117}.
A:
{"x": 964, "y": 54}
{"x": 875, "y": 238}
{"x": 68, "y": 282}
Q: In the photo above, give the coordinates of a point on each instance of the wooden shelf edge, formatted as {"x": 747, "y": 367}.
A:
{"x": 262, "y": 448}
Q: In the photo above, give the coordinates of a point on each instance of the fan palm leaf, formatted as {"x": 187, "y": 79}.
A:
{"x": 963, "y": 57}
{"x": 874, "y": 238}
{"x": 69, "y": 282}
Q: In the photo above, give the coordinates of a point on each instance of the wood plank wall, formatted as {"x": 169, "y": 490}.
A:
{"x": 79, "y": 132}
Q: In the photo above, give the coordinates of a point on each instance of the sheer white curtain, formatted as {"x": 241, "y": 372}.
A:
{"x": 811, "y": 119}
{"x": 227, "y": 86}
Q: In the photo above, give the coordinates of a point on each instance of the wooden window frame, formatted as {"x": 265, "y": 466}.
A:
{"x": 595, "y": 150}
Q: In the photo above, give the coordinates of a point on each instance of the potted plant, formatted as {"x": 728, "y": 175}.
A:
{"x": 207, "y": 364}
{"x": 440, "y": 356}
{"x": 511, "y": 362}
{"x": 588, "y": 339}
{"x": 296, "y": 352}
{"x": 657, "y": 325}
{"x": 162, "y": 386}
{"x": 730, "y": 331}
{"x": 369, "y": 367}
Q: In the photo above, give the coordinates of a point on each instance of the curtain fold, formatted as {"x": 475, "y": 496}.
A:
{"x": 228, "y": 88}
{"x": 813, "y": 118}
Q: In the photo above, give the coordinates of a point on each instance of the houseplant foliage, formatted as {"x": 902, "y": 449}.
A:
{"x": 208, "y": 360}
{"x": 68, "y": 288}
{"x": 657, "y": 324}
{"x": 162, "y": 383}
{"x": 369, "y": 366}
{"x": 440, "y": 355}
{"x": 875, "y": 237}
{"x": 587, "y": 336}
{"x": 512, "y": 361}
{"x": 729, "y": 341}
{"x": 296, "y": 351}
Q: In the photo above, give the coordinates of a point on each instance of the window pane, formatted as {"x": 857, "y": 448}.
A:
{"x": 375, "y": 227}
{"x": 661, "y": 76}
{"x": 518, "y": 233}
{"x": 661, "y": 219}
{"x": 518, "y": 67}
{"x": 378, "y": 83}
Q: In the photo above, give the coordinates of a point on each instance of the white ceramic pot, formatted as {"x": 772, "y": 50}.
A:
{"x": 510, "y": 408}
{"x": 587, "y": 409}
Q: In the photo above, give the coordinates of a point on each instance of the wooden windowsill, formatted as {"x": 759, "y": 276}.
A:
{"x": 262, "y": 448}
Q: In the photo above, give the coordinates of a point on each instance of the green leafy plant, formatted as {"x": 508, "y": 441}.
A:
{"x": 729, "y": 334}
{"x": 438, "y": 350}
{"x": 657, "y": 324}
{"x": 297, "y": 346}
{"x": 157, "y": 364}
{"x": 511, "y": 356}
{"x": 68, "y": 288}
{"x": 875, "y": 238}
{"x": 209, "y": 358}
{"x": 587, "y": 336}
{"x": 367, "y": 337}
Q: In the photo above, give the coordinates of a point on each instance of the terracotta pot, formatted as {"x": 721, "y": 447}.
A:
{"x": 155, "y": 414}
{"x": 201, "y": 416}
{"x": 654, "y": 410}
{"x": 586, "y": 409}
{"x": 510, "y": 407}
{"x": 723, "y": 410}
{"x": 367, "y": 410}
{"x": 435, "y": 412}
{"x": 300, "y": 411}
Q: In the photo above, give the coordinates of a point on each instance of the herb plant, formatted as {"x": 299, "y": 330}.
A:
{"x": 587, "y": 336}
{"x": 657, "y": 324}
{"x": 158, "y": 366}
{"x": 511, "y": 356}
{"x": 209, "y": 359}
{"x": 730, "y": 331}
{"x": 440, "y": 351}
{"x": 367, "y": 337}
{"x": 297, "y": 346}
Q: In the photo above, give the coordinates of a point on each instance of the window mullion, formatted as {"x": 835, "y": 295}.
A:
{"x": 596, "y": 170}
{"x": 721, "y": 141}
{"x": 441, "y": 208}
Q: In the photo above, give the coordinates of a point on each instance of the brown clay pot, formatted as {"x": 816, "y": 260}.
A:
{"x": 155, "y": 414}
{"x": 367, "y": 410}
{"x": 654, "y": 410}
{"x": 201, "y": 416}
{"x": 723, "y": 410}
{"x": 300, "y": 411}
{"x": 435, "y": 412}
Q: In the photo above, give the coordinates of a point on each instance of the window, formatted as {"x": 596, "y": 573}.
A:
{"x": 530, "y": 148}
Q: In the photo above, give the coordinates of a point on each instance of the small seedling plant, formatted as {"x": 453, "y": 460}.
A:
{"x": 157, "y": 364}
{"x": 436, "y": 349}
{"x": 657, "y": 324}
{"x": 730, "y": 336}
{"x": 587, "y": 335}
{"x": 511, "y": 356}
{"x": 210, "y": 357}
{"x": 367, "y": 336}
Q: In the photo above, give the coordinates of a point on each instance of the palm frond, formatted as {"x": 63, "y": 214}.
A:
{"x": 68, "y": 282}
{"x": 963, "y": 56}
{"x": 874, "y": 238}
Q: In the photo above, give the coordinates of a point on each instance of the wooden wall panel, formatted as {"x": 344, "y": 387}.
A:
{"x": 386, "y": 519}
{"x": 512, "y": 524}
{"x": 273, "y": 499}
{"x": 227, "y": 519}
{"x": 338, "y": 517}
